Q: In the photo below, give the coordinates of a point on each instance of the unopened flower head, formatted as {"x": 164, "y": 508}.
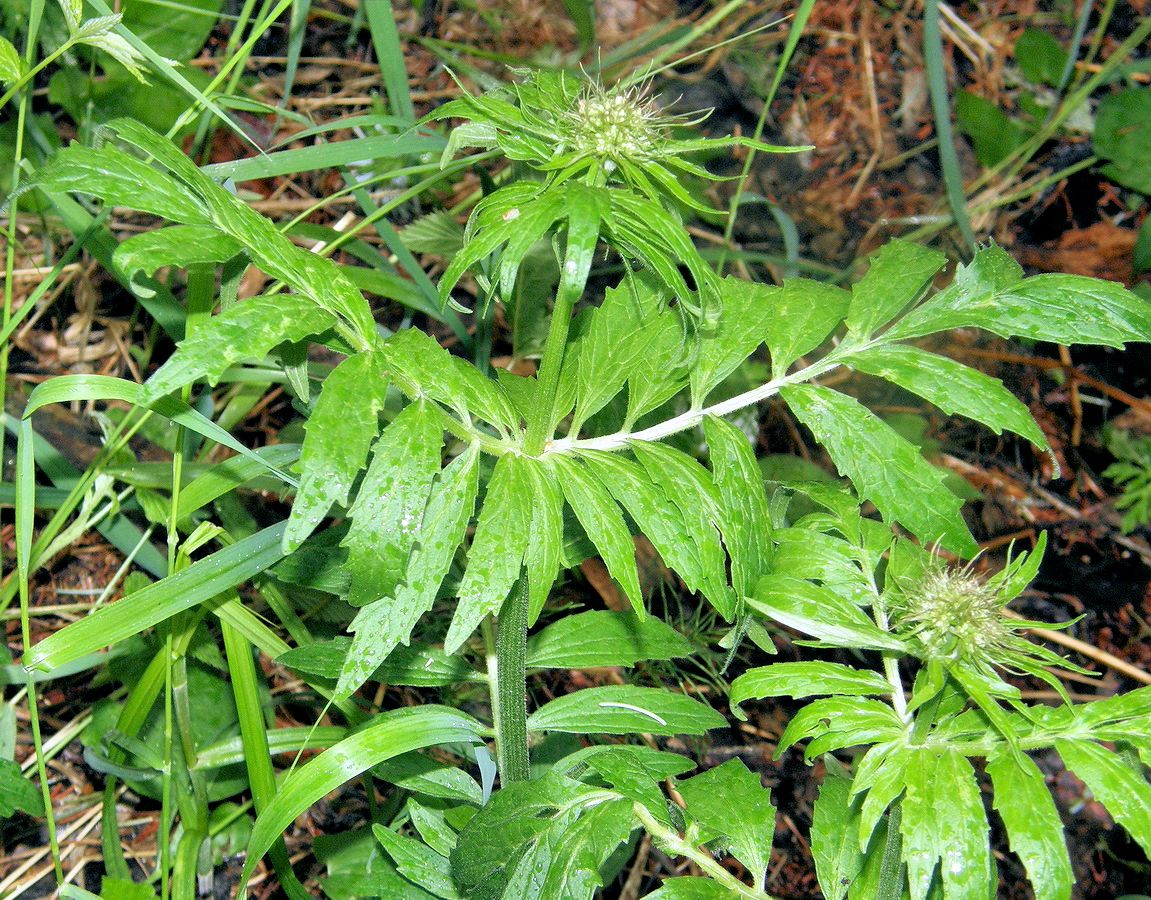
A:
{"x": 615, "y": 124}
{"x": 954, "y": 616}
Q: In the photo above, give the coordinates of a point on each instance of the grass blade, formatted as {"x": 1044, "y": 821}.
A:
{"x": 327, "y": 156}
{"x": 168, "y": 70}
{"x": 25, "y": 506}
{"x": 390, "y": 56}
{"x": 67, "y": 388}
{"x": 941, "y": 109}
{"x": 389, "y": 735}
{"x": 257, "y": 757}
{"x": 795, "y": 32}
{"x": 149, "y": 606}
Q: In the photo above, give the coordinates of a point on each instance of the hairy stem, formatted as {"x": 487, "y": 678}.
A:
{"x": 891, "y": 875}
{"x": 509, "y": 694}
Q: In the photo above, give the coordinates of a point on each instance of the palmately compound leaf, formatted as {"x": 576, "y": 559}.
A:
{"x": 389, "y": 506}
{"x": 308, "y": 273}
{"x": 585, "y": 208}
{"x": 739, "y": 480}
{"x": 1034, "y": 829}
{"x": 497, "y": 553}
{"x": 422, "y": 368}
{"x": 973, "y": 289}
{"x": 337, "y": 438}
{"x": 991, "y": 293}
{"x": 539, "y": 840}
{"x": 885, "y": 469}
{"x": 748, "y": 309}
{"x": 1120, "y": 711}
{"x": 1071, "y": 309}
{"x": 806, "y": 313}
{"x": 249, "y": 330}
{"x": 712, "y": 798}
{"x": 662, "y": 370}
{"x": 690, "y": 887}
{"x": 484, "y": 398}
{"x": 944, "y": 827}
{"x": 417, "y": 665}
{"x": 657, "y": 764}
{"x": 437, "y": 232}
{"x": 99, "y": 32}
{"x": 388, "y": 622}
{"x": 602, "y": 520}
{"x": 646, "y": 503}
{"x": 653, "y": 238}
{"x": 1021, "y": 569}
{"x": 521, "y": 209}
{"x": 571, "y": 853}
{"x": 418, "y": 862}
{"x": 953, "y": 387}
{"x": 1120, "y": 787}
{"x": 899, "y": 273}
{"x": 838, "y": 722}
{"x": 613, "y": 346}
{"x": 631, "y": 775}
{"x": 882, "y": 774}
{"x": 827, "y": 558}
{"x": 821, "y": 613}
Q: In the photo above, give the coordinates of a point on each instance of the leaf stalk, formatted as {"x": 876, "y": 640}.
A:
{"x": 675, "y": 843}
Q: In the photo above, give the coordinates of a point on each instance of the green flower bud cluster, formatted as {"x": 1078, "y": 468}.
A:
{"x": 954, "y": 616}
{"x": 614, "y": 124}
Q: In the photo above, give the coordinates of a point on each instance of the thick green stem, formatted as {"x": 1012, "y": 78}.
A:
{"x": 509, "y": 706}
{"x": 892, "y": 878}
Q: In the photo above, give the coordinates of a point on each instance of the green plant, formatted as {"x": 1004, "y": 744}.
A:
{"x": 1055, "y": 94}
{"x": 1131, "y": 471}
{"x": 97, "y": 32}
{"x": 408, "y": 445}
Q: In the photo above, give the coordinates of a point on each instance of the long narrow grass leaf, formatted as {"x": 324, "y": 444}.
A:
{"x": 941, "y": 110}
{"x": 68, "y": 388}
{"x": 160, "y": 601}
{"x": 327, "y": 156}
{"x": 257, "y": 755}
{"x": 168, "y": 69}
{"x": 390, "y": 56}
{"x": 389, "y": 735}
